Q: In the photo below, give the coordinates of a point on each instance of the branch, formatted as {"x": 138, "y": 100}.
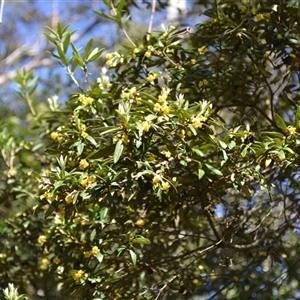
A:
{"x": 151, "y": 19}
{"x": 1, "y": 10}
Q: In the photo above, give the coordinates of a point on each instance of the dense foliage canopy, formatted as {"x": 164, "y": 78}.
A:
{"x": 173, "y": 175}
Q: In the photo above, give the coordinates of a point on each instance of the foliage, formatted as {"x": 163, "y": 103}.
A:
{"x": 175, "y": 173}
{"x": 11, "y": 293}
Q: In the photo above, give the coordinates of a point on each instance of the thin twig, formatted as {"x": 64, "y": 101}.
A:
{"x": 123, "y": 29}
{"x": 151, "y": 19}
{"x": 1, "y": 10}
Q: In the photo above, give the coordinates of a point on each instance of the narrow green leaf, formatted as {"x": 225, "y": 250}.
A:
{"x": 104, "y": 152}
{"x": 214, "y": 170}
{"x": 279, "y": 122}
{"x": 92, "y": 236}
{"x": 223, "y": 145}
{"x": 142, "y": 241}
{"x": 88, "y": 48}
{"x": 95, "y": 54}
{"x": 62, "y": 55}
{"x": 298, "y": 117}
{"x": 101, "y": 14}
{"x": 118, "y": 151}
{"x": 103, "y": 213}
{"x": 66, "y": 42}
{"x": 50, "y": 38}
{"x": 133, "y": 256}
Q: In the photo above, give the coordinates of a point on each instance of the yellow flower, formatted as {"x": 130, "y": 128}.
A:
{"x": 157, "y": 107}
{"x": 49, "y": 196}
{"x": 87, "y": 254}
{"x": 165, "y": 110}
{"x": 69, "y": 198}
{"x": 83, "y": 164}
{"x": 60, "y": 139}
{"x": 151, "y": 77}
{"x": 109, "y": 56}
{"x": 167, "y": 154}
{"x": 148, "y": 54}
{"x": 146, "y": 126}
{"x": 56, "y": 260}
{"x": 291, "y": 130}
{"x": 140, "y": 223}
{"x": 243, "y": 8}
{"x": 41, "y": 239}
{"x": 165, "y": 186}
{"x": 196, "y": 281}
{"x": 156, "y": 179}
{"x": 85, "y": 100}
{"x": 110, "y": 63}
{"x": 87, "y": 181}
{"x": 202, "y": 50}
{"x": 197, "y": 121}
{"x": 182, "y": 134}
{"x": 193, "y": 61}
{"x": 44, "y": 264}
{"x": 54, "y": 135}
{"x": 95, "y": 250}
{"x": 125, "y": 139}
{"x": 84, "y": 134}
{"x": 161, "y": 99}
{"x": 78, "y": 275}
{"x": 203, "y": 83}
{"x": 259, "y": 17}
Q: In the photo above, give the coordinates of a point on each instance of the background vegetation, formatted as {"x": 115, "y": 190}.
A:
{"x": 171, "y": 175}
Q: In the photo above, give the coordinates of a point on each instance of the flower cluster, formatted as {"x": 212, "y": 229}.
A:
{"x": 112, "y": 59}
{"x": 41, "y": 239}
{"x": 158, "y": 182}
{"x": 162, "y": 105}
{"x": 152, "y": 76}
{"x": 104, "y": 80}
{"x": 205, "y": 111}
{"x": 93, "y": 252}
{"x": 49, "y": 196}
{"x": 132, "y": 95}
{"x": 87, "y": 181}
{"x": 291, "y": 130}
{"x": 57, "y": 137}
{"x": 85, "y": 100}
{"x": 83, "y": 164}
{"x": 82, "y": 130}
{"x": 44, "y": 264}
{"x": 80, "y": 274}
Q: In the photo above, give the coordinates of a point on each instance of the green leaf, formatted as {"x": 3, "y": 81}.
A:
{"x": 92, "y": 236}
{"x": 201, "y": 173}
{"x": 142, "y": 241}
{"x": 213, "y": 169}
{"x": 118, "y": 151}
{"x": 88, "y": 48}
{"x": 298, "y": 118}
{"x": 94, "y": 54}
{"x": 223, "y": 144}
{"x": 279, "y": 122}
{"x": 62, "y": 55}
{"x": 133, "y": 256}
{"x": 104, "y": 152}
{"x": 66, "y": 42}
{"x": 100, "y": 257}
{"x": 101, "y": 14}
